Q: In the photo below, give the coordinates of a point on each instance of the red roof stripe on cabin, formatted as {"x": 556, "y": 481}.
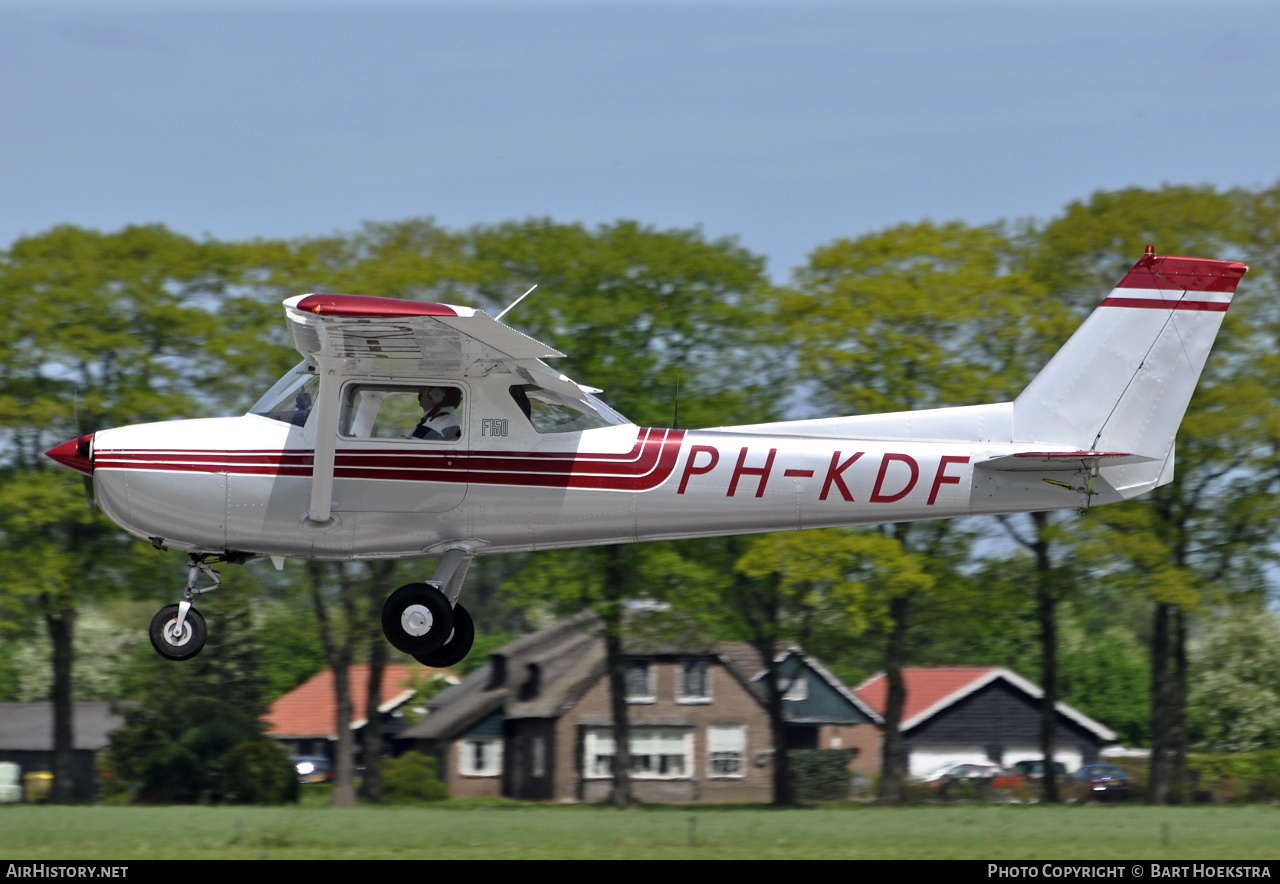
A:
{"x": 368, "y": 305}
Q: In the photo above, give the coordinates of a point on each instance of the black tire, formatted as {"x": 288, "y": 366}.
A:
{"x": 454, "y": 650}
{"x": 417, "y": 619}
{"x": 172, "y": 646}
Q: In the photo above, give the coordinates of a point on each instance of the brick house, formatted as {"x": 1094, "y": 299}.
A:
{"x": 535, "y": 723}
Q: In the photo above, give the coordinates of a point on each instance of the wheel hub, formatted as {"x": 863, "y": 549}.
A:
{"x": 177, "y": 636}
{"x": 416, "y": 620}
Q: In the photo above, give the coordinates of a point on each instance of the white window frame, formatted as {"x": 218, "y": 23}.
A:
{"x": 657, "y": 753}
{"x": 490, "y": 761}
{"x": 727, "y": 746}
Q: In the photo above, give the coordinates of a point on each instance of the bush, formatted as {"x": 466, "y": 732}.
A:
{"x": 820, "y": 774}
{"x": 412, "y": 777}
{"x": 1236, "y": 777}
{"x": 258, "y": 772}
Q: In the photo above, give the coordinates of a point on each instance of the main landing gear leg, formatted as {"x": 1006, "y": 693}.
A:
{"x": 425, "y": 621}
{"x": 178, "y": 631}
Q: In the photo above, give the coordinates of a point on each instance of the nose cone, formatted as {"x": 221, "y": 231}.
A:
{"x": 74, "y": 454}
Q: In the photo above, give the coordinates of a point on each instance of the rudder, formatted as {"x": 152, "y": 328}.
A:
{"x": 1122, "y": 382}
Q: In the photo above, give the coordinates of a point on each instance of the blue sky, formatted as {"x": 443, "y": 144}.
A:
{"x": 787, "y": 125}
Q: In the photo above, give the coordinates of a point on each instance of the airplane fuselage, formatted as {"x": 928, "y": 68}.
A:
{"x": 243, "y": 484}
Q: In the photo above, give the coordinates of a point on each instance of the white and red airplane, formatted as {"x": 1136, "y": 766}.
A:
{"x": 338, "y": 461}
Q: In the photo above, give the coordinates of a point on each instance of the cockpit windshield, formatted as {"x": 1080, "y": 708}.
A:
{"x": 290, "y": 398}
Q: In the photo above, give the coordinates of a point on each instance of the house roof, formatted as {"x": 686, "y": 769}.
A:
{"x": 308, "y": 710}
{"x": 562, "y": 658}
{"x": 747, "y": 660}
{"x": 29, "y": 726}
{"x": 543, "y": 674}
{"x": 933, "y": 689}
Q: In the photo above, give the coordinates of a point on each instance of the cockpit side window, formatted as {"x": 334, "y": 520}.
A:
{"x": 386, "y": 411}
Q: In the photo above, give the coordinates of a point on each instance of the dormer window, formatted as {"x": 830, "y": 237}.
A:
{"x": 532, "y": 685}
{"x": 497, "y": 671}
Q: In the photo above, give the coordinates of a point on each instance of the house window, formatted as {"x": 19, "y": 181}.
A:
{"x": 695, "y": 682}
{"x": 599, "y": 753}
{"x": 538, "y": 765}
{"x": 656, "y": 753}
{"x": 798, "y": 690}
{"x": 481, "y": 757}
{"x": 639, "y": 682}
{"x": 726, "y": 750}
{"x": 660, "y": 753}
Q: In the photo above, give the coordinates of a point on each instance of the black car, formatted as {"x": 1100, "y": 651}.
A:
{"x": 1101, "y": 782}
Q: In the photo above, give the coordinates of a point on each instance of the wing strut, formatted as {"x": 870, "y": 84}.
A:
{"x": 320, "y": 512}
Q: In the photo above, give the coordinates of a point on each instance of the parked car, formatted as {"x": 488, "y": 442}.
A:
{"x": 313, "y": 768}
{"x": 1101, "y": 782}
{"x": 1034, "y": 770}
{"x": 983, "y": 776}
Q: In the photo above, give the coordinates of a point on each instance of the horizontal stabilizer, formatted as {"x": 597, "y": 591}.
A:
{"x": 1061, "y": 461}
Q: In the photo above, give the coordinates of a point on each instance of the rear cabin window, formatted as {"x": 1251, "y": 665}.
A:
{"x": 552, "y": 412}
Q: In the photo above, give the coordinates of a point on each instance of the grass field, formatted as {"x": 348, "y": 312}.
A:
{"x": 474, "y": 832}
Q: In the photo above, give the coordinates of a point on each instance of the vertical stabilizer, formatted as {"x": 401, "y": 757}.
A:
{"x": 1123, "y": 380}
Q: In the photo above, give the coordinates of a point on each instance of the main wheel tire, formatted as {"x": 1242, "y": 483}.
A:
{"x": 175, "y": 645}
{"x": 457, "y": 647}
{"x": 417, "y": 619}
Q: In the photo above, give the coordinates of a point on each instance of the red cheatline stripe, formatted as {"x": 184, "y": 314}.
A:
{"x": 647, "y": 465}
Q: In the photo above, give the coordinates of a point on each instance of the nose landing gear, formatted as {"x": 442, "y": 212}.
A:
{"x": 178, "y": 632}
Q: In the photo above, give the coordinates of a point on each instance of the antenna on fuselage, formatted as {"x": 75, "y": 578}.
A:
{"x": 675, "y": 417}
{"x": 516, "y": 301}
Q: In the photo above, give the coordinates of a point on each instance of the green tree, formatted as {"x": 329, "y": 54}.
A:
{"x": 102, "y": 330}
{"x": 1208, "y": 531}
{"x": 1234, "y": 703}
{"x": 835, "y": 581}
{"x": 917, "y": 316}
{"x": 644, "y": 314}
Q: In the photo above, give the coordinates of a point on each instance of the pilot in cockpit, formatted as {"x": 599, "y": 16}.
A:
{"x": 439, "y": 413}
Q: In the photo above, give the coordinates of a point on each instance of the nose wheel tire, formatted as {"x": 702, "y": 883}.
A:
{"x": 172, "y": 642}
{"x": 458, "y": 645}
{"x": 417, "y": 619}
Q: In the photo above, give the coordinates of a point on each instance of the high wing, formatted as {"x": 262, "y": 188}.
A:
{"x": 430, "y": 336}
{"x": 357, "y": 335}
